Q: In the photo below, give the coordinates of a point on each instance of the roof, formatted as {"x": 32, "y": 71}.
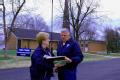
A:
{"x": 31, "y": 34}
{"x": 95, "y": 41}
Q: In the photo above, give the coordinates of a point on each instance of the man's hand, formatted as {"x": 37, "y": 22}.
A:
{"x": 62, "y": 63}
{"x": 68, "y": 59}
{"x": 56, "y": 67}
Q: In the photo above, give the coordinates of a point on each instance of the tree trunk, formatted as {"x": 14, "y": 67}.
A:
{"x": 74, "y": 34}
{"x": 77, "y": 35}
{"x": 5, "y": 31}
{"x": 66, "y": 21}
{"x": 5, "y": 49}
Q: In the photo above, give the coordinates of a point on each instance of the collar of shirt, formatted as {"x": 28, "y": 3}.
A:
{"x": 63, "y": 44}
{"x": 45, "y": 51}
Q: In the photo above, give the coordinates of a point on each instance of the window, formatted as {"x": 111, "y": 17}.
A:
{"x": 86, "y": 45}
{"x": 19, "y": 44}
{"x": 81, "y": 45}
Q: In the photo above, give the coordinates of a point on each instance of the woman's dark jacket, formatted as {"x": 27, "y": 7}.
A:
{"x": 41, "y": 68}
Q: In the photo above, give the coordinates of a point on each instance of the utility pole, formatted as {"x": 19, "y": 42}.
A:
{"x": 51, "y": 35}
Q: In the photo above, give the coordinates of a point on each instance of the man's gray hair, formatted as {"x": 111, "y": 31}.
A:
{"x": 65, "y": 30}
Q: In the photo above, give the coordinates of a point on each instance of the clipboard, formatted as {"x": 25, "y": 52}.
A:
{"x": 56, "y": 58}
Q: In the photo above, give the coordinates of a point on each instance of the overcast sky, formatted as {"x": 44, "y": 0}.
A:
{"x": 111, "y": 8}
{"x": 108, "y": 8}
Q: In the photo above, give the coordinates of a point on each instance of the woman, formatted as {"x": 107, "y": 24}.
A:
{"x": 41, "y": 68}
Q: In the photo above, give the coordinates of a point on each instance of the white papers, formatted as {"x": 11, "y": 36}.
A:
{"x": 55, "y": 58}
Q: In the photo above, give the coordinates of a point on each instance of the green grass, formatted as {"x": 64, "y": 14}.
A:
{"x": 90, "y": 57}
{"x": 2, "y": 58}
{"x": 112, "y": 54}
{"x": 15, "y": 61}
{"x": 12, "y": 54}
{"x": 97, "y": 57}
{"x": 9, "y": 52}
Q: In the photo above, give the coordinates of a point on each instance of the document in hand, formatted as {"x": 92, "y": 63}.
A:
{"x": 56, "y": 58}
{"x": 60, "y": 63}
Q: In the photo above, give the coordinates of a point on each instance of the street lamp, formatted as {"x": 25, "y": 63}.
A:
{"x": 52, "y": 17}
{"x": 51, "y": 26}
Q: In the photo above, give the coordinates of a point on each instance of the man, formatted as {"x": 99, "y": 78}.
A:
{"x": 69, "y": 48}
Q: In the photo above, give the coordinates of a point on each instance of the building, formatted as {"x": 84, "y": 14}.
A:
{"x": 93, "y": 46}
{"x": 25, "y": 38}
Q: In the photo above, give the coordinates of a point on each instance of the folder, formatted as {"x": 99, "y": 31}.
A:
{"x": 55, "y": 58}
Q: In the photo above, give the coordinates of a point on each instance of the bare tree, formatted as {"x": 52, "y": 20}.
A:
{"x": 66, "y": 21}
{"x": 89, "y": 34}
{"x": 16, "y": 8}
{"x": 1, "y": 39}
{"x": 112, "y": 38}
{"x": 58, "y": 22}
{"x": 119, "y": 29}
{"x": 40, "y": 24}
{"x": 79, "y": 12}
{"x": 4, "y": 26}
{"x": 29, "y": 21}
{"x": 15, "y": 14}
{"x": 88, "y": 31}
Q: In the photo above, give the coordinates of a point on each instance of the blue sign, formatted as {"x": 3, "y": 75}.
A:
{"x": 24, "y": 52}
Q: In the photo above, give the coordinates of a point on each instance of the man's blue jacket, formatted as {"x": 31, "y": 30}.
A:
{"x": 72, "y": 50}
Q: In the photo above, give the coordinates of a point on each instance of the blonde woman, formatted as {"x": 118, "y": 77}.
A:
{"x": 41, "y": 69}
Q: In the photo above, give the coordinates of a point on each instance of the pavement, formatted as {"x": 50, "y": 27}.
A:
{"x": 94, "y": 70}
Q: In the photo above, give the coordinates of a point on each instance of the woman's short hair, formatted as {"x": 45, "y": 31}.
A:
{"x": 41, "y": 36}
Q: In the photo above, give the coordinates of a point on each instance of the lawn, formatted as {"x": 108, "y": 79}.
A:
{"x": 18, "y": 61}
{"x": 93, "y": 57}
{"x": 9, "y": 52}
{"x": 13, "y": 61}
{"x": 112, "y": 54}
